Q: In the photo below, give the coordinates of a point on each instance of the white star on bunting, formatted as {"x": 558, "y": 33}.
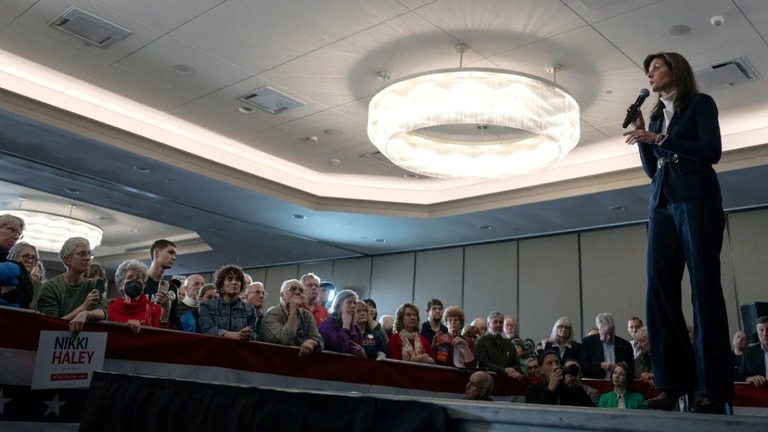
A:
{"x": 3, "y": 402}
{"x": 53, "y": 406}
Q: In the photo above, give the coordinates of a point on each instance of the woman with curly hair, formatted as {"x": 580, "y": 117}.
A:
{"x": 228, "y": 316}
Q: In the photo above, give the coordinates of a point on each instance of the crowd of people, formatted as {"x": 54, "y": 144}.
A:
{"x": 232, "y": 307}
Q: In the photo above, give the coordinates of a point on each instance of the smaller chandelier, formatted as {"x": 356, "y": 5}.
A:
{"x": 473, "y": 123}
{"x": 48, "y": 232}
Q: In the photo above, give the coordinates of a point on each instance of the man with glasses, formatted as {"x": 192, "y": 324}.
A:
{"x": 15, "y": 285}
{"x": 255, "y": 296}
{"x": 289, "y": 324}
{"x": 71, "y": 296}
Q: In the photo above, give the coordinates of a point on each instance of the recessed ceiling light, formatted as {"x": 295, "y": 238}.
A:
{"x": 184, "y": 69}
{"x": 246, "y": 109}
{"x": 676, "y": 31}
{"x": 73, "y": 191}
{"x": 134, "y": 230}
{"x": 141, "y": 169}
{"x": 617, "y": 208}
{"x": 298, "y": 216}
{"x": 335, "y": 162}
{"x": 380, "y": 240}
{"x": 332, "y": 132}
{"x": 609, "y": 92}
{"x": 485, "y": 227}
{"x": 102, "y": 218}
{"x": 169, "y": 180}
{"x": 410, "y": 176}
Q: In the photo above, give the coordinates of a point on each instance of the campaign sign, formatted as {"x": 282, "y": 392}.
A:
{"x": 66, "y": 361}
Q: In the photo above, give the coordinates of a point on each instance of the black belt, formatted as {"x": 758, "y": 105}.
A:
{"x": 666, "y": 160}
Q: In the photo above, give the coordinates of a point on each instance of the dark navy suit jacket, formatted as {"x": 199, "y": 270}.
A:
{"x": 694, "y": 135}
{"x": 752, "y": 362}
{"x": 592, "y": 356}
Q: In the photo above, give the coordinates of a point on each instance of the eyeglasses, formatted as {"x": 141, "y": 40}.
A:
{"x": 29, "y": 257}
{"x": 83, "y": 254}
{"x": 14, "y": 232}
{"x": 296, "y": 289}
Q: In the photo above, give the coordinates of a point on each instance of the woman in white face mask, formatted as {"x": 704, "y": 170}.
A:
{"x": 134, "y": 308}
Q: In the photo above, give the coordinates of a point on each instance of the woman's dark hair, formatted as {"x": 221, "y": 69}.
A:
{"x": 225, "y": 273}
{"x": 370, "y": 302}
{"x": 682, "y": 79}
{"x": 627, "y": 371}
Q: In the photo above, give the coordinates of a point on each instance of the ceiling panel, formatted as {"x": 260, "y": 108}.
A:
{"x": 164, "y": 15}
{"x": 501, "y": 25}
{"x": 44, "y": 11}
{"x": 140, "y": 88}
{"x": 756, "y": 13}
{"x": 651, "y": 21}
{"x": 157, "y": 60}
{"x": 598, "y": 10}
{"x": 242, "y": 30}
{"x": 48, "y": 52}
{"x": 12, "y": 9}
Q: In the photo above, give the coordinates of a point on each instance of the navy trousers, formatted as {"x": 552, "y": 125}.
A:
{"x": 688, "y": 233}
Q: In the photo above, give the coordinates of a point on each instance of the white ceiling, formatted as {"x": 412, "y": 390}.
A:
{"x": 126, "y": 104}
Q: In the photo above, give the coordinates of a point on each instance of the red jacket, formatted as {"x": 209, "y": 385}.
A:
{"x": 142, "y": 310}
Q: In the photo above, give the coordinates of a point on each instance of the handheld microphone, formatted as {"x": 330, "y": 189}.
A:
{"x": 644, "y": 93}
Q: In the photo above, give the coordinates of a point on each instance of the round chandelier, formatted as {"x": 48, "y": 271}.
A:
{"x": 48, "y": 232}
{"x": 473, "y": 123}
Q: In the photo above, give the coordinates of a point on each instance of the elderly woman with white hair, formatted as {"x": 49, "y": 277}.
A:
{"x": 15, "y": 284}
{"x": 26, "y": 255}
{"x": 134, "y": 308}
{"x": 562, "y": 341}
{"x": 339, "y": 330}
{"x": 71, "y": 296}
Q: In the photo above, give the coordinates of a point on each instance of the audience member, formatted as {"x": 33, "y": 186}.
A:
{"x": 633, "y": 325}
{"x": 479, "y": 387}
{"x": 471, "y": 334}
{"x": 95, "y": 271}
{"x": 754, "y": 363}
{"x": 643, "y": 366}
{"x": 510, "y": 327}
{"x": 134, "y": 308}
{"x": 562, "y": 340}
{"x": 573, "y": 368}
{"x": 740, "y": 342}
{"x": 227, "y": 316}
{"x": 189, "y": 301}
{"x": 481, "y": 325}
{"x": 290, "y": 324}
{"x": 163, "y": 256}
{"x": 407, "y": 344}
{"x": 591, "y": 332}
{"x": 71, "y": 296}
{"x": 496, "y": 354}
{"x": 373, "y": 315}
{"x": 557, "y": 387}
{"x": 532, "y": 370}
{"x": 601, "y": 352}
{"x": 255, "y": 295}
{"x": 311, "y": 284}
{"x": 339, "y": 331}
{"x": 190, "y": 321}
{"x": 374, "y": 341}
{"x": 621, "y": 397}
{"x": 324, "y": 292}
{"x": 434, "y": 322}
{"x": 15, "y": 283}
{"x": 26, "y": 255}
{"x": 387, "y": 325}
{"x": 450, "y": 349}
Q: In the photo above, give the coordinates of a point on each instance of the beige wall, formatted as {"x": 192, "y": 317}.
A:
{"x": 576, "y": 275}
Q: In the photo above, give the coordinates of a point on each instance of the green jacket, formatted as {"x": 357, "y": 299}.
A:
{"x": 631, "y": 400}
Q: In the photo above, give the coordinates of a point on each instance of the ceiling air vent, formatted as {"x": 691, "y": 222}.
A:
{"x": 88, "y": 27}
{"x": 271, "y": 100}
{"x": 729, "y": 73}
{"x": 378, "y": 157}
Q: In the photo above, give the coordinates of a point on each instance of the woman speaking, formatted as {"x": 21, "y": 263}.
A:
{"x": 686, "y": 223}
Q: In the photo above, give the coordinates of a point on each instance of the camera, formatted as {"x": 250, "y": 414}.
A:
{"x": 572, "y": 370}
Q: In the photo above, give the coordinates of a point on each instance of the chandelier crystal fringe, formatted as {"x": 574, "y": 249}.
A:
{"x": 416, "y": 123}
{"x": 48, "y": 232}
